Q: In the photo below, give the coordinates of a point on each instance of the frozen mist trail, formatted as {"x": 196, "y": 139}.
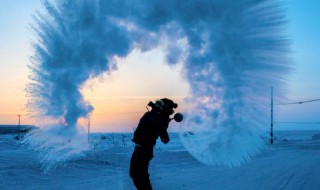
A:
{"x": 235, "y": 57}
{"x": 231, "y": 51}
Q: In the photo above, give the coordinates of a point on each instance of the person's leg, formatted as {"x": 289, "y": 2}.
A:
{"x": 135, "y": 167}
{"x": 145, "y": 180}
{"x": 133, "y": 163}
{"x": 144, "y": 167}
{"x": 139, "y": 164}
{"x": 141, "y": 176}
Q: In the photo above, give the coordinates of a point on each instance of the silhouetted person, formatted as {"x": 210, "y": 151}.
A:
{"x": 153, "y": 124}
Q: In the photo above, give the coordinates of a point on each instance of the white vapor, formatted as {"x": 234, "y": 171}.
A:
{"x": 234, "y": 51}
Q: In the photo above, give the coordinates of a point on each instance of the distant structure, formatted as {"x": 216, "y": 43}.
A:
{"x": 9, "y": 129}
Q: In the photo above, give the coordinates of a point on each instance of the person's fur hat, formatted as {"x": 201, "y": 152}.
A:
{"x": 169, "y": 103}
{"x": 163, "y": 104}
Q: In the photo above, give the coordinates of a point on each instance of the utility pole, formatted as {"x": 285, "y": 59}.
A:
{"x": 271, "y": 131}
{"x": 19, "y": 126}
{"x": 89, "y": 128}
{"x": 19, "y": 120}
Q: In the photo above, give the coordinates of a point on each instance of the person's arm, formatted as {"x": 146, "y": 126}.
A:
{"x": 164, "y": 136}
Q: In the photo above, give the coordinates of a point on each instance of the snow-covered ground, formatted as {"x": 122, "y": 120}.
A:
{"x": 293, "y": 162}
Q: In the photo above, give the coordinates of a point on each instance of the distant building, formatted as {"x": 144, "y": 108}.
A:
{"x": 7, "y": 129}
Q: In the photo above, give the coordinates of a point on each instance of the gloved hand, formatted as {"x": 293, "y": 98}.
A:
{"x": 165, "y": 140}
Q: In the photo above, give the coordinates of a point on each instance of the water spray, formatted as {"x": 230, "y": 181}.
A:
{"x": 235, "y": 50}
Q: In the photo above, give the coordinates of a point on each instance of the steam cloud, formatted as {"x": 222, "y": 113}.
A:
{"x": 232, "y": 51}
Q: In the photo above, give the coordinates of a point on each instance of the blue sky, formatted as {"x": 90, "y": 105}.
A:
{"x": 304, "y": 32}
{"x": 304, "y": 83}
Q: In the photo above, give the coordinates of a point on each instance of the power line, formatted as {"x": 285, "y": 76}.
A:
{"x": 293, "y": 122}
{"x": 301, "y": 102}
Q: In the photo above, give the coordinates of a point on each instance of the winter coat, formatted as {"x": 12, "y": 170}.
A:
{"x": 152, "y": 125}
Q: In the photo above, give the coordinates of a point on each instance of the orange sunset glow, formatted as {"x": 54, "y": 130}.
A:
{"x": 119, "y": 98}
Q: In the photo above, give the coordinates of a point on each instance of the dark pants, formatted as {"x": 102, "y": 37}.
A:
{"x": 139, "y": 165}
